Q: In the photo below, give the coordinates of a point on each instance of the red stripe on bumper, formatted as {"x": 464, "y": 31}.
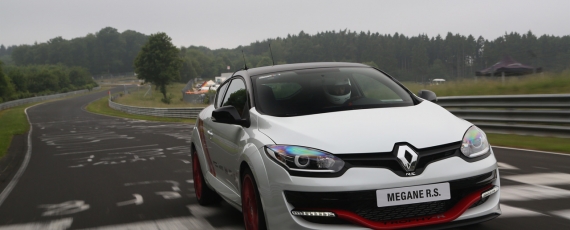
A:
{"x": 448, "y": 216}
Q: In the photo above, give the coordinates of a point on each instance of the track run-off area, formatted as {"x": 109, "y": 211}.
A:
{"x": 89, "y": 171}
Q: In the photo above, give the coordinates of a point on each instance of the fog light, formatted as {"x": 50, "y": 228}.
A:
{"x": 307, "y": 213}
{"x": 490, "y": 192}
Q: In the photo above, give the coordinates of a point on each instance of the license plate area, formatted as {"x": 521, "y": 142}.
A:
{"x": 413, "y": 194}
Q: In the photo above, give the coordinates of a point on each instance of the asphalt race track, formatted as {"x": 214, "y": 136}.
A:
{"x": 91, "y": 171}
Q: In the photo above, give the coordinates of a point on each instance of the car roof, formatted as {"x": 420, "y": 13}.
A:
{"x": 297, "y": 66}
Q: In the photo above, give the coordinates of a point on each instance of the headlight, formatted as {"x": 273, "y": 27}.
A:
{"x": 474, "y": 143}
{"x": 298, "y": 158}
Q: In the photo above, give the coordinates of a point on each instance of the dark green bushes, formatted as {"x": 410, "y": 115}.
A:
{"x": 17, "y": 82}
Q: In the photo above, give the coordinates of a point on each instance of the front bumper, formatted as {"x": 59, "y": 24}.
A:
{"x": 359, "y": 207}
{"x": 352, "y": 195}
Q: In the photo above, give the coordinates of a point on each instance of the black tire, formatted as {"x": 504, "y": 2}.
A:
{"x": 251, "y": 207}
{"x": 204, "y": 194}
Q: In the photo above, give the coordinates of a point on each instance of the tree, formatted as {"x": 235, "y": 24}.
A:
{"x": 158, "y": 62}
{"x": 6, "y": 87}
{"x": 188, "y": 69}
{"x": 19, "y": 80}
{"x": 420, "y": 61}
{"x": 265, "y": 61}
{"x": 79, "y": 76}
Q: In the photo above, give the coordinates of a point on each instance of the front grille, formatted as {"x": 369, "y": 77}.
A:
{"x": 389, "y": 160}
{"x": 403, "y": 211}
{"x": 363, "y": 203}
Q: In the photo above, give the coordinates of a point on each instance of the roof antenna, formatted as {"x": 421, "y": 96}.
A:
{"x": 244, "y": 64}
{"x": 271, "y": 52}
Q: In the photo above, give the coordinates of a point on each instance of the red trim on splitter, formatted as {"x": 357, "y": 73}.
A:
{"x": 448, "y": 216}
{"x": 205, "y": 147}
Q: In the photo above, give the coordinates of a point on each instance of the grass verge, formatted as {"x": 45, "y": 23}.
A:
{"x": 547, "y": 83}
{"x": 14, "y": 122}
{"x": 101, "y": 106}
{"x": 551, "y": 144}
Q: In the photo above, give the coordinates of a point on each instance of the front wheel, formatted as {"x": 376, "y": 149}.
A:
{"x": 251, "y": 207}
{"x": 203, "y": 193}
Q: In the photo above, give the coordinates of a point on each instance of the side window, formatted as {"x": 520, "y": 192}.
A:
{"x": 236, "y": 95}
{"x": 220, "y": 94}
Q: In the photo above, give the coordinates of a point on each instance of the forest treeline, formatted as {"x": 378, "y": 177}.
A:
{"x": 106, "y": 51}
{"x": 408, "y": 58}
{"x": 17, "y": 82}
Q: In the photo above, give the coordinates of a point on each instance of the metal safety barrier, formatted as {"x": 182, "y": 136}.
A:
{"x": 157, "y": 112}
{"x": 24, "y": 101}
{"x": 538, "y": 114}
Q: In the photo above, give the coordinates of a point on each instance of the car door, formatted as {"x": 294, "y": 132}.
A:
{"x": 211, "y": 150}
{"x": 227, "y": 140}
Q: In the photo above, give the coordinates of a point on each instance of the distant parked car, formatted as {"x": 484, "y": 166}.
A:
{"x": 340, "y": 146}
{"x": 438, "y": 81}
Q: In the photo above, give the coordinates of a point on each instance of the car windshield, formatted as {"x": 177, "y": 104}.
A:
{"x": 312, "y": 91}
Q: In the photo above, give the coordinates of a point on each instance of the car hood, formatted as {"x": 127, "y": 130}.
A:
{"x": 367, "y": 130}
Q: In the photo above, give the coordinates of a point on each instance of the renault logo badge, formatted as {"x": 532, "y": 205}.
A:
{"x": 408, "y": 157}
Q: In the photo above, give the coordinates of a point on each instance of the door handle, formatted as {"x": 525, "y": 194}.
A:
{"x": 210, "y": 133}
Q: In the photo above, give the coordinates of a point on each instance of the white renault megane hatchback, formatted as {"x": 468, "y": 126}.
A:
{"x": 340, "y": 146}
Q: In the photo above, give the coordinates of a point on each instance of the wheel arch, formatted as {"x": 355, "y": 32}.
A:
{"x": 261, "y": 179}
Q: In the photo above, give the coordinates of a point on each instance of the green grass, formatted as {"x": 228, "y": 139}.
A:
{"x": 546, "y": 83}
{"x": 14, "y": 122}
{"x": 552, "y": 144}
{"x": 119, "y": 81}
{"x": 101, "y": 106}
{"x": 137, "y": 98}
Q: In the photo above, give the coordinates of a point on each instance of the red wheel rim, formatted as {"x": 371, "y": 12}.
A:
{"x": 197, "y": 173}
{"x": 249, "y": 203}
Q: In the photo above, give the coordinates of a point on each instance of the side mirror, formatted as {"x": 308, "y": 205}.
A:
{"x": 428, "y": 95}
{"x": 229, "y": 115}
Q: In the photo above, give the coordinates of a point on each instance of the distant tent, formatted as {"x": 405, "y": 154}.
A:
{"x": 508, "y": 66}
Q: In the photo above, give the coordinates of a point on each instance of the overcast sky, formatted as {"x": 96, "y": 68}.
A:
{"x": 228, "y": 24}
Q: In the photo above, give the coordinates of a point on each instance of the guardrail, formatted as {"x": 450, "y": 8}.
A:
{"x": 24, "y": 101}
{"x": 540, "y": 115}
{"x": 157, "y": 112}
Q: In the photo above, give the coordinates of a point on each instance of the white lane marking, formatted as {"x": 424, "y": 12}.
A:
{"x": 185, "y": 161}
{"x": 509, "y": 211}
{"x": 175, "y": 185}
{"x": 22, "y": 168}
{"x": 169, "y": 195}
{"x": 179, "y": 223}
{"x": 103, "y": 150}
{"x": 541, "y": 178}
{"x": 60, "y": 224}
{"x": 65, "y": 208}
{"x": 562, "y": 213}
{"x": 137, "y": 201}
{"x": 530, "y": 150}
{"x": 190, "y": 181}
{"x": 506, "y": 166}
{"x": 531, "y": 192}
